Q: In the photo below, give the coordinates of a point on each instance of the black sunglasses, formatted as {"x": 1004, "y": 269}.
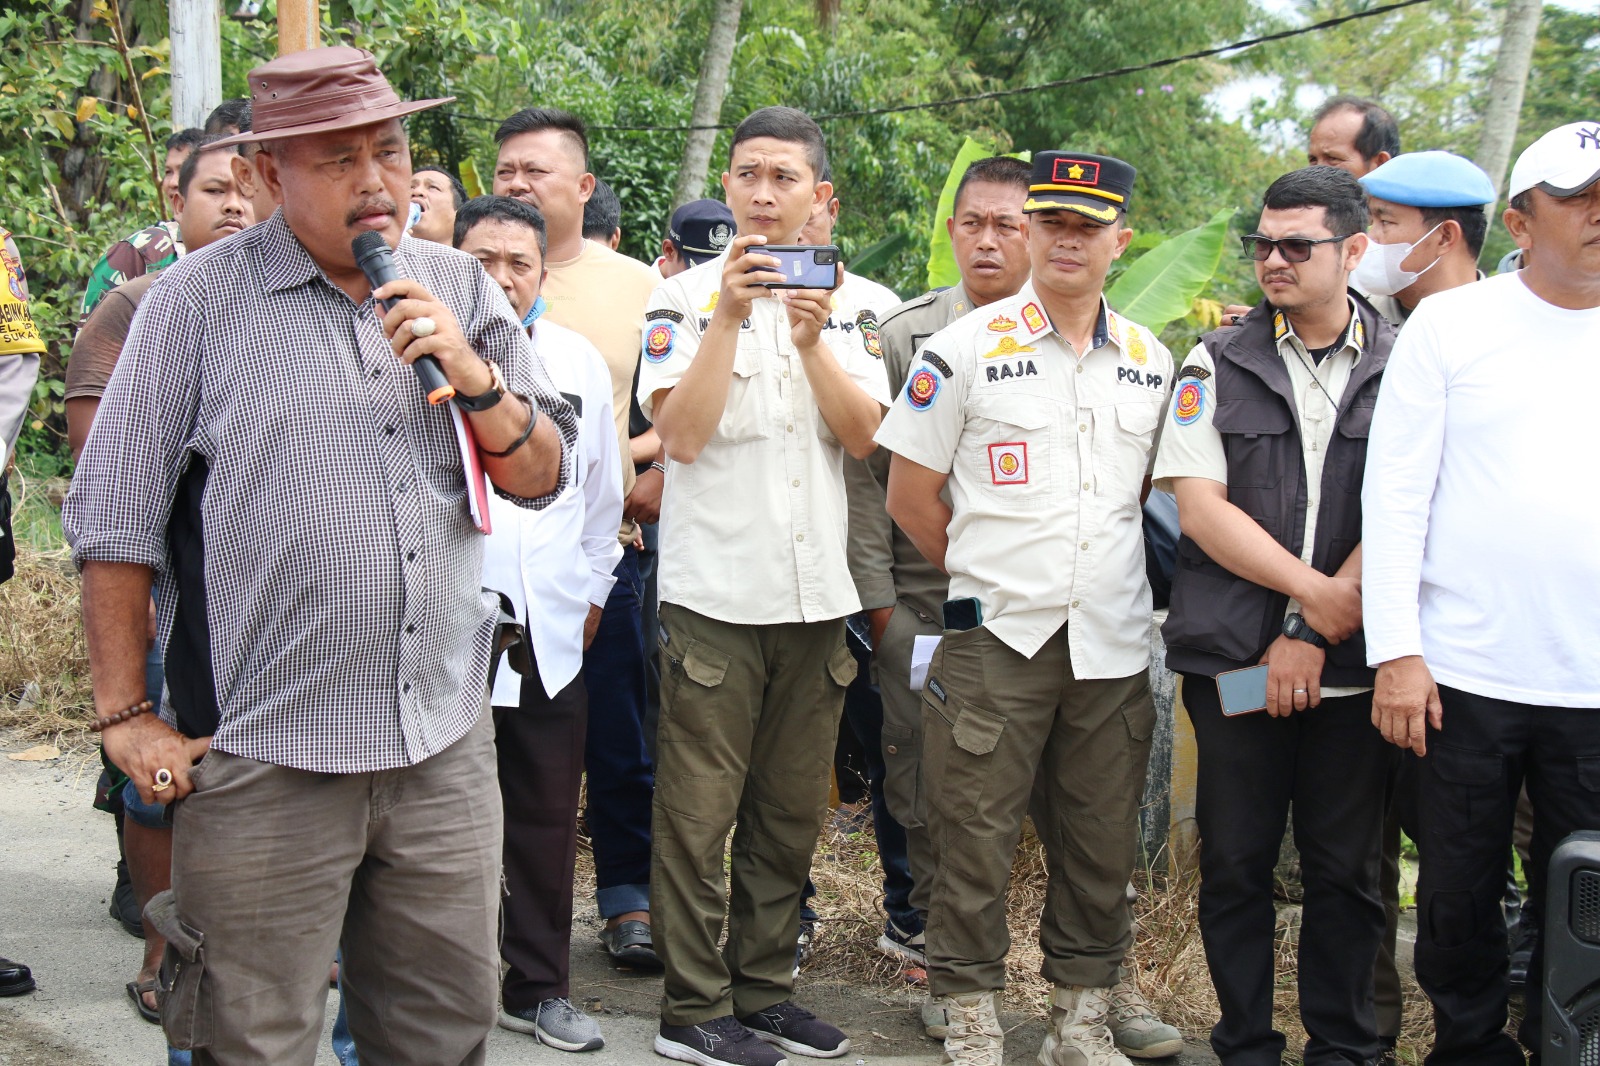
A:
{"x": 1293, "y": 249}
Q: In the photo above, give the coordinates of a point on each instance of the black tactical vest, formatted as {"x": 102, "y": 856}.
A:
{"x": 1218, "y": 621}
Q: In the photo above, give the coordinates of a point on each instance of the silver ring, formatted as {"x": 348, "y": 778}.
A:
{"x": 422, "y": 327}
{"x": 1300, "y": 692}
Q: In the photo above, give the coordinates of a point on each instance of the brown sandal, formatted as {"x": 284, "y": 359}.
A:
{"x": 136, "y": 991}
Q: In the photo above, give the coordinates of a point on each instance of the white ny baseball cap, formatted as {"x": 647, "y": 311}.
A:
{"x": 1563, "y": 162}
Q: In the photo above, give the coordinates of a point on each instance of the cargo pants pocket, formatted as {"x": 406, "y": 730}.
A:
{"x": 182, "y": 992}
{"x": 958, "y": 745}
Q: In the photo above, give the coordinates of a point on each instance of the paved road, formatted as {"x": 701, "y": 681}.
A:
{"x": 57, "y": 859}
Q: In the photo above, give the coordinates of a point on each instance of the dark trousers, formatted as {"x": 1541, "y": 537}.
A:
{"x": 621, "y": 778}
{"x": 540, "y": 748}
{"x": 1333, "y": 767}
{"x": 1467, "y": 790}
{"x": 863, "y": 713}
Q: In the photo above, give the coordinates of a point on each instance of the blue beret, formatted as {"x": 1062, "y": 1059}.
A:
{"x": 1430, "y": 179}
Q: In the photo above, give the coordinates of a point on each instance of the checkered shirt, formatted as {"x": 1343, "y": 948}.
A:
{"x": 348, "y": 632}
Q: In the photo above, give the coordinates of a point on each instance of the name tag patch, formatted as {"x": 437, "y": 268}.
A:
{"x": 1128, "y": 375}
{"x": 1008, "y": 463}
{"x": 1022, "y": 368}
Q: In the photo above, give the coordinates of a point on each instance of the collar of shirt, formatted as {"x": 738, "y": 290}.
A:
{"x": 1355, "y": 334}
{"x": 1108, "y": 325}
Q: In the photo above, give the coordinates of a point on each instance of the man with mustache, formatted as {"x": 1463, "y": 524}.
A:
{"x": 1264, "y": 450}
{"x": 265, "y": 448}
{"x": 1039, "y": 411}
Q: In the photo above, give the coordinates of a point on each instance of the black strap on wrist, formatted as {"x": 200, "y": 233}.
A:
{"x": 533, "y": 417}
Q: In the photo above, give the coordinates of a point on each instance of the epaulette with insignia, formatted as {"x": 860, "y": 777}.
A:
{"x": 918, "y": 301}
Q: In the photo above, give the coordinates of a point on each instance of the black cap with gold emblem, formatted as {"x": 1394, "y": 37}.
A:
{"x": 1094, "y": 185}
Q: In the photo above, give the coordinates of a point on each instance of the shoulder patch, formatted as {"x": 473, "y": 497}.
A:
{"x": 1033, "y": 317}
{"x": 663, "y": 312}
{"x": 1198, "y": 372}
{"x": 922, "y": 388}
{"x": 659, "y": 340}
{"x": 1189, "y": 404}
{"x": 867, "y": 323}
{"x": 933, "y": 360}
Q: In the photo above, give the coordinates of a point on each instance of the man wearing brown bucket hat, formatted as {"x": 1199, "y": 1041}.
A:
{"x": 264, "y": 450}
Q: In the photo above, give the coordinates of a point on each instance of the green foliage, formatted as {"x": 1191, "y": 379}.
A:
{"x": 1162, "y": 284}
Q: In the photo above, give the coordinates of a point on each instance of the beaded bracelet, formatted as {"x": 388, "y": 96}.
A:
{"x": 99, "y": 724}
{"x": 659, "y": 466}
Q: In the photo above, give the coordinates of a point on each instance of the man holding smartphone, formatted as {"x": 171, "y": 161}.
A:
{"x": 757, "y": 398}
{"x": 1040, "y": 412}
{"x": 1265, "y": 449}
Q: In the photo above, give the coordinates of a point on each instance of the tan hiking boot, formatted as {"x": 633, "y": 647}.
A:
{"x": 974, "y": 1037}
{"x": 1139, "y": 1033}
{"x": 1078, "y": 1032}
{"x": 935, "y": 1018}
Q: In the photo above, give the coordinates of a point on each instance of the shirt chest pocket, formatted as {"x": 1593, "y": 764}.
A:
{"x": 745, "y": 415}
{"x": 1124, "y": 435}
{"x": 1009, "y": 449}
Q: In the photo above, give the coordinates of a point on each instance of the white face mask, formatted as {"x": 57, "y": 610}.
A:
{"x": 1379, "y": 271}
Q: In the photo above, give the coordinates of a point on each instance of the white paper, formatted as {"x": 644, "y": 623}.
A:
{"x": 921, "y": 655}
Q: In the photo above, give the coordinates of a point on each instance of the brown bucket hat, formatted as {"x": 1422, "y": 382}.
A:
{"x": 320, "y": 90}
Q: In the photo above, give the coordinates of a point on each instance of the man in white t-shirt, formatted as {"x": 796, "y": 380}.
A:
{"x": 556, "y": 567}
{"x": 1479, "y": 577}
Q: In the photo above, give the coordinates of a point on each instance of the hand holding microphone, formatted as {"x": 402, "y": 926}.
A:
{"x": 422, "y": 331}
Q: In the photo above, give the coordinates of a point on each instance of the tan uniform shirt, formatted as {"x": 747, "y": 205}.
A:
{"x": 753, "y": 531}
{"x": 1047, "y": 451}
{"x": 1192, "y": 447}
{"x": 601, "y": 295}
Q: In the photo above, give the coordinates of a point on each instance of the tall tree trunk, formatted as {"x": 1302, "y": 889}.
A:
{"x": 1517, "y": 36}
{"x": 708, "y": 94}
{"x": 196, "y": 60}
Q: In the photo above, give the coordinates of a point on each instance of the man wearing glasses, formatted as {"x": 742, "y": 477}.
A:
{"x": 1264, "y": 449}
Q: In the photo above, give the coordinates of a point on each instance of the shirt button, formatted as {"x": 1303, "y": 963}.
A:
{"x": 799, "y": 536}
{"x": 785, "y": 373}
{"x": 1083, "y": 427}
{"x": 795, "y": 482}
{"x": 377, "y": 370}
{"x": 1074, "y": 603}
{"x": 1084, "y": 546}
{"x": 1080, "y": 368}
{"x": 892, "y": 750}
{"x": 1087, "y": 486}
{"x": 389, "y": 430}
{"x": 789, "y": 427}
{"x": 406, "y": 687}
{"x": 411, "y": 557}
{"x": 411, "y": 629}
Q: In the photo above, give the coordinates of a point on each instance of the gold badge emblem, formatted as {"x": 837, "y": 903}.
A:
{"x": 1007, "y": 347}
{"x": 712, "y": 306}
{"x": 1136, "y": 349}
{"x": 1002, "y": 324}
{"x": 1033, "y": 317}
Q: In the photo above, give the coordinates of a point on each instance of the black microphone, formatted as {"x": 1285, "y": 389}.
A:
{"x": 376, "y": 261}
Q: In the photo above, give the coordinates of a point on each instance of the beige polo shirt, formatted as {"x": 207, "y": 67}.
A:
{"x": 1047, "y": 451}
{"x": 1192, "y": 447}
{"x": 601, "y": 294}
{"x": 753, "y": 531}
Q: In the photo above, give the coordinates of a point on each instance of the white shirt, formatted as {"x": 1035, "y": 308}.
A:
{"x": 1192, "y": 447}
{"x": 1481, "y": 537}
{"x": 1047, "y": 452}
{"x": 753, "y": 531}
{"x": 560, "y": 560}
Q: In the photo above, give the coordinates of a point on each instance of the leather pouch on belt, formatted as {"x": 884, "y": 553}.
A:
{"x": 182, "y": 992}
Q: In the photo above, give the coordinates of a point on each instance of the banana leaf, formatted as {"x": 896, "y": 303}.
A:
{"x": 1161, "y": 285}
{"x": 876, "y": 257}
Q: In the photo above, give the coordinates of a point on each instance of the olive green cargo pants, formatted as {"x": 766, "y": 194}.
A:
{"x": 749, "y": 718}
{"x": 1004, "y": 736}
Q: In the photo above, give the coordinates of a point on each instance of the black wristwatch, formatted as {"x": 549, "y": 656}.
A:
{"x": 1295, "y": 628}
{"x": 489, "y": 397}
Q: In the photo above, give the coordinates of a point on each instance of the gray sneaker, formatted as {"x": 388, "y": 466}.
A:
{"x": 555, "y": 1023}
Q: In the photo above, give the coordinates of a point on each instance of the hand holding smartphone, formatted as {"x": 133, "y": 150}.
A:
{"x": 804, "y": 266}
{"x": 1243, "y": 691}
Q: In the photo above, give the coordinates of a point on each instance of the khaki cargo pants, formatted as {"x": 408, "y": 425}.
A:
{"x": 1003, "y": 736}
{"x": 749, "y": 718}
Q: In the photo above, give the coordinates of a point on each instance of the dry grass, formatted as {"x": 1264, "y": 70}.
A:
{"x": 1167, "y": 955}
{"x": 44, "y": 671}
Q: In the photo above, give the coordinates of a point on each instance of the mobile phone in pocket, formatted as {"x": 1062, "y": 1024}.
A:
{"x": 963, "y": 614}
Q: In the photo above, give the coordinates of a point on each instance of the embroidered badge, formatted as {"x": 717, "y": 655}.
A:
{"x": 939, "y": 364}
{"x": 1280, "y": 326}
{"x": 663, "y": 313}
{"x": 1008, "y": 463}
{"x": 1002, "y": 324}
{"x": 721, "y": 234}
{"x": 712, "y": 306}
{"x": 1136, "y": 349}
{"x": 658, "y": 342}
{"x": 1200, "y": 373}
{"x": 1189, "y": 404}
{"x": 1033, "y": 317}
{"x": 1008, "y": 347}
{"x": 922, "y": 389}
{"x": 867, "y": 323}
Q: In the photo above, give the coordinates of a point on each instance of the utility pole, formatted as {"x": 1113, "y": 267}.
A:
{"x": 1517, "y": 36}
{"x": 299, "y": 26}
{"x": 196, "y": 60}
